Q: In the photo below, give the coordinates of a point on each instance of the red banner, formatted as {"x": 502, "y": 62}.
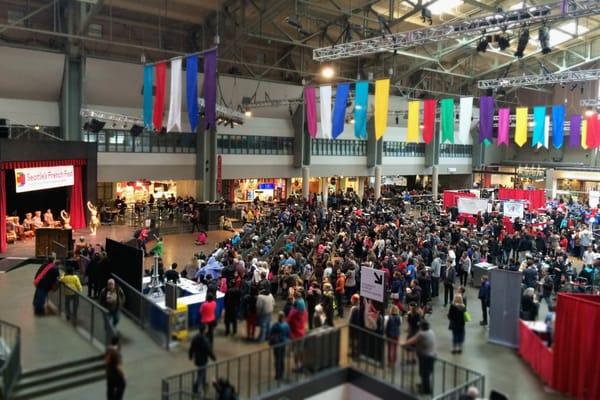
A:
{"x": 219, "y": 174}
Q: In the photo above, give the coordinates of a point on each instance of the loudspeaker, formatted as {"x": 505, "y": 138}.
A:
{"x": 136, "y": 130}
{"x": 94, "y": 125}
{"x": 3, "y": 128}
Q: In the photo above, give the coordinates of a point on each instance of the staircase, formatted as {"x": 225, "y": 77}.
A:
{"x": 56, "y": 378}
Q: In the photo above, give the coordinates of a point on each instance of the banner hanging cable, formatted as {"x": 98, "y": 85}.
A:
{"x": 198, "y": 53}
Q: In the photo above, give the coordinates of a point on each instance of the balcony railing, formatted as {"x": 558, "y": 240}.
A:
{"x": 403, "y": 149}
{"x": 456, "y": 150}
{"x": 10, "y": 358}
{"x": 338, "y": 147}
{"x": 255, "y": 145}
{"x": 121, "y": 141}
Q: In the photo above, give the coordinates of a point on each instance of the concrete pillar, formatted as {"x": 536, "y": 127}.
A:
{"x": 305, "y": 182}
{"x": 434, "y": 181}
{"x": 377, "y": 182}
{"x": 325, "y": 189}
{"x": 361, "y": 186}
{"x": 288, "y": 186}
{"x": 71, "y": 98}
{"x": 550, "y": 183}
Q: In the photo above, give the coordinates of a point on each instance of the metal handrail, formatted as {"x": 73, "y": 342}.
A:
{"x": 103, "y": 334}
{"x": 10, "y": 370}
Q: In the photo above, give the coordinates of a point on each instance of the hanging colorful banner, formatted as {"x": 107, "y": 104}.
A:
{"x": 486, "y": 119}
{"x": 361, "y": 104}
{"x": 575, "y": 131}
{"x": 447, "y": 120}
{"x": 159, "y": 98}
{"x": 339, "y": 109}
{"x": 521, "y": 126}
{"x": 325, "y": 100}
{"x": 174, "y": 120}
{"x": 546, "y": 143}
{"x": 148, "y": 92}
{"x": 558, "y": 125}
{"x": 311, "y": 110}
{"x": 592, "y": 131}
{"x": 191, "y": 90}
{"x": 429, "y": 110}
{"x": 382, "y": 95}
{"x": 464, "y": 120}
{"x": 584, "y": 124}
{"x": 209, "y": 88}
{"x": 539, "y": 119}
{"x": 412, "y": 130}
{"x": 503, "y": 125}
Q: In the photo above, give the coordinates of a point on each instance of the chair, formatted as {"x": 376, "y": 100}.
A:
{"x": 11, "y": 234}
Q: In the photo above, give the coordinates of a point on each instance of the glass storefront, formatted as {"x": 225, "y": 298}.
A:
{"x": 263, "y": 189}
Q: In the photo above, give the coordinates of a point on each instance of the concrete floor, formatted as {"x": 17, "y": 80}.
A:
{"x": 49, "y": 340}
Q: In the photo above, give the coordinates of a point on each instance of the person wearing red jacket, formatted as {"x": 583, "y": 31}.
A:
{"x": 297, "y": 322}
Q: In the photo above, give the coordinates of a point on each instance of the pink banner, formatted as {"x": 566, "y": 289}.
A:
{"x": 311, "y": 110}
{"x": 503, "y": 124}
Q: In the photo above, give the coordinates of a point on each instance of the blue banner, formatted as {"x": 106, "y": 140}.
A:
{"x": 558, "y": 125}
{"x": 539, "y": 121}
{"x": 339, "y": 110}
{"x": 361, "y": 104}
{"x": 148, "y": 92}
{"x": 191, "y": 90}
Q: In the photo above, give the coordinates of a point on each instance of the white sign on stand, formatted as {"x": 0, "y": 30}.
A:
{"x": 471, "y": 205}
{"x": 513, "y": 209}
{"x": 372, "y": 283}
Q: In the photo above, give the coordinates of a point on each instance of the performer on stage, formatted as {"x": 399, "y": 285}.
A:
{"x": 49, "y": 219}
{"x": 37, "y": 220}
{"x": 66, "y": 217}
{"x": 28, "y": 222}
{"x": 94, "y": 221}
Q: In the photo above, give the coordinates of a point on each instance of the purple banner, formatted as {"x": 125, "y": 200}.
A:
{"x": 486, "y": 118}
{"x": 503, "y": 124}
{"x": 209, "y": 88}
{"x": 575, "y": 131}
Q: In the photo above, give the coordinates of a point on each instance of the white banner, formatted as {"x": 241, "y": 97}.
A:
{"x": 514, "y": 209}
{"x": 30, "y": 179}
{"x": 372, "y": 283}
{"x": 470, "y": 205}
{"x": 594, "y": 198}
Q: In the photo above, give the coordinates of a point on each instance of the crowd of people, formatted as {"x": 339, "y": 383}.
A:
{"x": 302, "y": 263}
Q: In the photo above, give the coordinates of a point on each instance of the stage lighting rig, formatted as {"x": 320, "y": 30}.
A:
{"x": 522, "y": 44}
{"x": 544, "y": 38}
{"x": 503, "y": 42}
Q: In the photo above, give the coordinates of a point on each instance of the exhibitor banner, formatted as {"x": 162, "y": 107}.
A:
{"x": 30, "y": 179}
{"x": 513, "y": 209}
{"x": 471, "y": 205}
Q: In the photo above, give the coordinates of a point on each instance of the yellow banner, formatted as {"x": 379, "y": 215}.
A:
{"x": 521, "y": 126}
{"x": 382, "y": 95}
{"x": 412, "y": 132}
{"x": 584, "y": 134}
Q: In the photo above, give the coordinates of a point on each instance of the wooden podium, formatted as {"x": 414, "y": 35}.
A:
{"x": 57, "y": 240}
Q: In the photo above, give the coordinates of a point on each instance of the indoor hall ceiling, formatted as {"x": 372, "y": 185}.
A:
{"x": 274, "y": 39}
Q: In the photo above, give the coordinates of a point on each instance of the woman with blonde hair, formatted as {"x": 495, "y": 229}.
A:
{"x": 392, "y": 332}
{"x": 456, "y": 316}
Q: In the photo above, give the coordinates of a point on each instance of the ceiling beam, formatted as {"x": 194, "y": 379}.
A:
{"x": 28, "y": 16}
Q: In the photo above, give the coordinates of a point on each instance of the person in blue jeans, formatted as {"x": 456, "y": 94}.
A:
{"x": 265, "y": 303}
{"x": 278, "y": 337}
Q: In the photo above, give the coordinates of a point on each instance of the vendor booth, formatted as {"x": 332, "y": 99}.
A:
{"x": 535, "y": 198}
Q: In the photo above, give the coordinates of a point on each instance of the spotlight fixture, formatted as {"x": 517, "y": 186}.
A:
{"x": 136, "y": 130}
{"x": 96, "y": 126}
{"x": 483, "y": 45}
{"x": 397, "y": 119}
{"x": 36, "y": 127}
{"x": 503, "y": 42}
{"x": 589, "y": 112}
{"x": 426, "y": 15}
{"x": 327, "y": 72}
{"x": 544, "y": 39}
{"x": 522, "y": 44}
{"x": 248, "y": 113}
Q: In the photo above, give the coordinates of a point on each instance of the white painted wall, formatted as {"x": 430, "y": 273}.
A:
{"x": 30, "y": 112}
{"x": 113, "y": 167}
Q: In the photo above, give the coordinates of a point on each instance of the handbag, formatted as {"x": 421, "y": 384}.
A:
{"x": 467, "y": 316}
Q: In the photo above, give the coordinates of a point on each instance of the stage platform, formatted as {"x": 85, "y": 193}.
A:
{"x": 178, "y": 247}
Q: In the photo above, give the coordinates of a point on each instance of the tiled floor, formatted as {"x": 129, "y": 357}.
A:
{"x": 48, "y": 340}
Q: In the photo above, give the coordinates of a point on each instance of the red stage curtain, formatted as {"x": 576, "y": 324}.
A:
{"x": 76, "y": 203}
{"x": 450, "y": 198}
{"x": 535, "y": 352}
{"x": 2, "y": 211}
{"x": 536, "y": 198}
{"x": 576, "y": 349}
{"x": 44, "y": 163}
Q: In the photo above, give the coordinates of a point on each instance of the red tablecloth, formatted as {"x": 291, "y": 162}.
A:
{"x": 451, "y": 198}
{"x": 535, "y": 198}
{"x": 535, "y": 352}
